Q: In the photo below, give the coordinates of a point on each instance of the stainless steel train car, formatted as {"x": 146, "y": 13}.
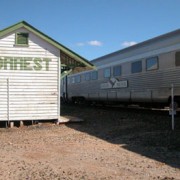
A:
{"x": 142, "y": 74}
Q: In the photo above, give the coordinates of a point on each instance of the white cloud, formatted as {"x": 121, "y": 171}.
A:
{"x": 80, "y": 44}
{"x": 95, "y": 43}
{"x": 128, "y": 43}
{"x": 90, "y": 43}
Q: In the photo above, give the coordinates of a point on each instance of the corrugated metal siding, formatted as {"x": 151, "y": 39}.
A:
{"x": 33, "y": 94}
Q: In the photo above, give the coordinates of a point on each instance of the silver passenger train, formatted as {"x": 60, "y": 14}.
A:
{"x": 140, "y": 74}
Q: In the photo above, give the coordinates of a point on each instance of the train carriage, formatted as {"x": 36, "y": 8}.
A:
{"x": 142, "y": 73}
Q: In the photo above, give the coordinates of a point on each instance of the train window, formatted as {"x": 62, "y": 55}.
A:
{"x": 87, "y": 76}
{"x": 136, "y": 67}
{"x": 177, "y": 60}
{"x": 94, "y": 75}
{"x": 73, "y": 80}
{"x": 107, "y": 72}
{"x": 78, "y": 79}
{"x": 117, "y": 71}
{"x": 152, "y": 63}
{"x": 68, "y": 80}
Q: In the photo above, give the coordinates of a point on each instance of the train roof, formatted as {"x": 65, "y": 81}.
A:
{"x": 134, "y": 48}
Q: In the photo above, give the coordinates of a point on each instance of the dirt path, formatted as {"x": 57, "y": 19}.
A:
{"x": 126, "y": 148}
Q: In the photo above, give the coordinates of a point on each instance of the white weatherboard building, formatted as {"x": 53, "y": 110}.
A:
{"x": 31, "y": 66}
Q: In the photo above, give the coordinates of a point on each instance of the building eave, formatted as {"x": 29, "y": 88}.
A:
{"x": 48, "y": 39}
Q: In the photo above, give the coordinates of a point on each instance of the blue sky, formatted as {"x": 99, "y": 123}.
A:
{"x": 93, "y": 28}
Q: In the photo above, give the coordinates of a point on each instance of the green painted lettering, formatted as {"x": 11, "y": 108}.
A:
{"x": 18, "y": 61}
{"x": 27, "y": 62}
{"x": 47, "y": 63}
{"x": 24, "y": 63}
{"x": 38, "y": 66}
{"x": 7, "y": 62}
{"x": 1, "y": 63}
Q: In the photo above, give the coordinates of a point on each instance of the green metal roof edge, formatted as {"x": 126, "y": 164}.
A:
{"x": 46, "y": 38}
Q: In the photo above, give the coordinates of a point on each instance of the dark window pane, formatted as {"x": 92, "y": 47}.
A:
{"x": 78, "y": 79}
{"x": 94, "y": 75}
{"x": 73, "y": 80}
{"x": 152, "y": 63}
{"x": 87, "y": 77}
{"x": 177, "y": 58}
{"x": 107, "y": 72}
{"x": 22, "y": 38}
{"x": 136, "y": 67}
{"x": 117, "y": 71}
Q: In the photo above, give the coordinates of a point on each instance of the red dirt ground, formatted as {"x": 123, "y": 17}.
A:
{"x": 109, "y": 144}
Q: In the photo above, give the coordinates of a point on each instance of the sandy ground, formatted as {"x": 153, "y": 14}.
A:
{"x": 109, "y": 144}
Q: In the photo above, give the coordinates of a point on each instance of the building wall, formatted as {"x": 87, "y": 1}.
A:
{"x": 30, "y": 82}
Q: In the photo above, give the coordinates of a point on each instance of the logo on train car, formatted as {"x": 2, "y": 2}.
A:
{"x": 24, "y": 63}
{"x": 114, "y": 83}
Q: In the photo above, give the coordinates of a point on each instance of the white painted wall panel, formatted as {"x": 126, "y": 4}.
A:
{"x": 33, "y": 95}
{"x": 3, "y": 100}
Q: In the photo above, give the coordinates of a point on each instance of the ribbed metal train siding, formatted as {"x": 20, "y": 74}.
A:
{"x": 146, "y": 86}
{"x": 29, "y": 95}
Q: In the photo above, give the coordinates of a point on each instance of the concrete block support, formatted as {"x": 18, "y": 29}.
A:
{"x": 11, "y": 124}
{"x": 21, "y": 124}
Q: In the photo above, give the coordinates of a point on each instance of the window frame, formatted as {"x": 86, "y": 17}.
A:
{"x": 73, "y": 80}
{"x": 77, "y": 78}
{"x": 177, "y": 61}
{"x": 120, "y": 68}
{"x": 107, "y": 72}
{"x": 68, "y": 80}
{"x": 87, "y": 75}
{"x": 157, "y": 62}
{"x": 17, "y": 43}
{"x": 134, "y": 65}
{"x": 94, "y": 77}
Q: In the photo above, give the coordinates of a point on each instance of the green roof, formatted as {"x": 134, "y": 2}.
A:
{"x": 43, "y": 36}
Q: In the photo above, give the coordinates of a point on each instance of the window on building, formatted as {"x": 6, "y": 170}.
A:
{"x": 107, "y": 72}
{"x": 117, "y": 70}
{"x": 94, "y": 75}
{"x": 22, "y": 38}
{"x": 177, "y": 58}
{"x": 152, "y": 63}
{"x": 87, "y": 76}
{"x": 77, "y": 79}
{"x": 136, "y": 67}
